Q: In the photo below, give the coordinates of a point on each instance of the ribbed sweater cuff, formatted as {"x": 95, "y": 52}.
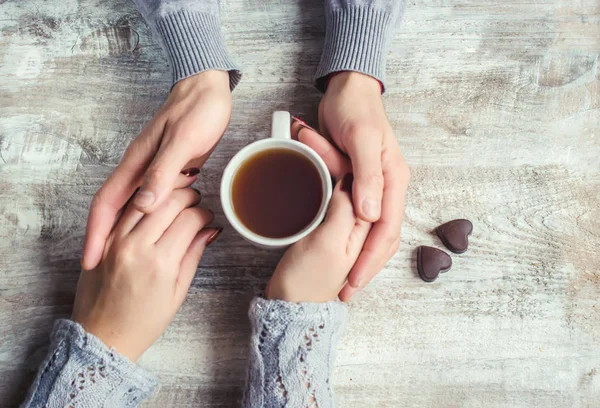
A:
{"x": 355, "y": 40}
{"x": 193, "y": 43}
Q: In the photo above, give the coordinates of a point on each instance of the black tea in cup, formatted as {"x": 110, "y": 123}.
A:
{"x": 277, "y": 193}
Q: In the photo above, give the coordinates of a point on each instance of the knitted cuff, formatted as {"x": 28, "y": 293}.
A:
{"x": 81, "y": 371}
{"x": 81, "y": 341}
{"x": 292, "y": 352}
{"x": 355, "y": 40}
{"x": 193, "y": 43}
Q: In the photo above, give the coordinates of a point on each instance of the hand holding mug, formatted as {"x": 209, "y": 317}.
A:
{"x": 315, "y": 268}
{"x": 352, "y": 115}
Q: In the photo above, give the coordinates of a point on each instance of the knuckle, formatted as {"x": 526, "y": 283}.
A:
{"x": 97, "y": 198}
{"x": 176, "y": 201}
{"x": 135, "y": 147}
{"x": 126, "y": 253}
{"x": 193, "y": 216}
{"x": 373, "y": 180}
{"x": 155, "y": 176}
{"x": 359, "y": 129}
{"x": 182, "y": 198}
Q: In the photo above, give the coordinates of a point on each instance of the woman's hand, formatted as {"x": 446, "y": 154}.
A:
{"x": 315, "y": 268}
{"x": 181, "y": 136}
{"x": 145, "y": 272}
{"x": 352, "y": 115}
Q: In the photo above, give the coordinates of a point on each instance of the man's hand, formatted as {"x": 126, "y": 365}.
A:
{"x": 181, "y": 136}
{"x": 352, "y": 115}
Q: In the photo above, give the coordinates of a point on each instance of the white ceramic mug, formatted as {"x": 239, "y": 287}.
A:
{"x": 280, "y": 139}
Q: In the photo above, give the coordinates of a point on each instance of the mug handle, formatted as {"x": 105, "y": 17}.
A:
{"x": 280, "y": 125}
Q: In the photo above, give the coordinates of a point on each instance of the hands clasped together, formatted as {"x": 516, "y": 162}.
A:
{"x": 142, "y": 248}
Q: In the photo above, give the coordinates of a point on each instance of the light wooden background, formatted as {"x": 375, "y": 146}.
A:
{"x": 496, "y": 105}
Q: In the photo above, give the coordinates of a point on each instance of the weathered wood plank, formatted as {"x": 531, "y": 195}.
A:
{"x": 497, "y": 108}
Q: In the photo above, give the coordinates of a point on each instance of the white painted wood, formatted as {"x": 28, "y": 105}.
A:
{"x": 497, "y": 108}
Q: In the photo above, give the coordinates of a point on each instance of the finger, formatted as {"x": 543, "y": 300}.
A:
{"x": 336, "y": 162}
{"x": 297, "y": 125}
{"x": 116, "y": 191}
{"x": 358, "y": 237}
{"x": 340, "y": 219}
{"x": 104, "y": 213}
{"x": 154, "y": 225}
{"x": 177, "y": 238}
{"x": 348, "y": 290}
{"x": 162, "y": 174}
{"x": 384, "y": 238}
{"x": 366, "y": 154}
{"x": 191, "y": 259}
{"x": 129, "y": 218}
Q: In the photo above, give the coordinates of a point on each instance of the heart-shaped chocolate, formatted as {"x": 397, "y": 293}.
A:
{"x": 431, "y": 261}
{"x": 455, "y": 235}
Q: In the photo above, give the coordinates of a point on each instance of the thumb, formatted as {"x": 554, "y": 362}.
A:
{"x": 365, "y": 154}
{"x": 163, "y": 173}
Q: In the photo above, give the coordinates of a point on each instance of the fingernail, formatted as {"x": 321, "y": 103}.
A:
{"x": 192, "y": 171}
{"x": 303, "y": 123}
{"x": 347, "y": 183}
{"x": 359, "y": 284}
{"x": 144, "y": 198}
{"x": 214, "y": 236}
{"x": 369, "y": 208}
{"x": 132, "y": 196}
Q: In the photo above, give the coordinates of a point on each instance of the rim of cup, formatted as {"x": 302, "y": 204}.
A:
{"x": 246, "y": 153}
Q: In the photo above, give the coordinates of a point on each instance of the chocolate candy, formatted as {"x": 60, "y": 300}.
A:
{"x": 454, "y": 235}
{"x": 432, "y": 261}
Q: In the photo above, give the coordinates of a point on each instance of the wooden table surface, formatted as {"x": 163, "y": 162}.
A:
{"x": 496, "y": 105}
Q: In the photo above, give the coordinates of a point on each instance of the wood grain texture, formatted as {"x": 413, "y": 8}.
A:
{"x": 497, "y": 108}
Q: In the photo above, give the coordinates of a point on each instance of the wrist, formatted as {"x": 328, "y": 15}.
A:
{"x": 113, "y": 340}
{"x": 202, "y": 80}
{"x": 296, "y": 293}
{"x": 343, "y": 79}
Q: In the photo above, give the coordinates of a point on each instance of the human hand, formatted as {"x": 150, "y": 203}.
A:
{"x": 181, "y": 136}
{"x": 315, "y": 268}
{"x": 352, "y": 115}
{"x": 144, "y": 274}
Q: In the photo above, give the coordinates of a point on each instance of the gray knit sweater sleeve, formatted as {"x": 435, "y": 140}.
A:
{"x": 292, "y": 353}
{"x": 189, "y": 31}
{"x": 291, "y": 359}
{"x": 357, "y": 34}
{"x": 356, "y": 37}
{"x": 80, "y": 371}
